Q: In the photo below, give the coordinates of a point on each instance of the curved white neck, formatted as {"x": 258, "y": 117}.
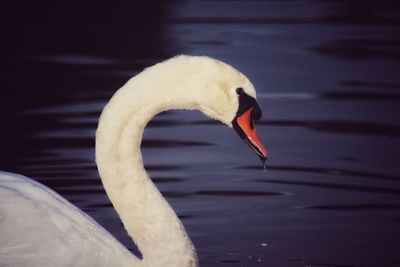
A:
{"x": 146, "y": 215}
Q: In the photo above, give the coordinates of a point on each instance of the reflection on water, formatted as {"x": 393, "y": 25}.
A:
{"x": 327, "y": 79}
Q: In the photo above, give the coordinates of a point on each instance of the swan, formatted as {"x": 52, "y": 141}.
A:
{"x": 38, "y": 227}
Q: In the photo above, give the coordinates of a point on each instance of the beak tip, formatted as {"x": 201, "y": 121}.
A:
{"x": 264, "y": 159}
{"x": 264, "y": 162}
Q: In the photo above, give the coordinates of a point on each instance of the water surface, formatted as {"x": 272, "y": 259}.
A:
{"x": 327, "y": 76}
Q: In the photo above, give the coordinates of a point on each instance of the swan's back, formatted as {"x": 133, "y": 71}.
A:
{"x": 40, "y": 228}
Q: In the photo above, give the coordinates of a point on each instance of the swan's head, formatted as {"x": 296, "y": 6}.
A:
{"x": 227, "y": 95}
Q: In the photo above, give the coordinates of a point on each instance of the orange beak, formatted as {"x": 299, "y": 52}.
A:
{"x": 245, "y": 127}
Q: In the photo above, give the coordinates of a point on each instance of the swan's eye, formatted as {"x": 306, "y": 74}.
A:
{"x": 239, "y": 91}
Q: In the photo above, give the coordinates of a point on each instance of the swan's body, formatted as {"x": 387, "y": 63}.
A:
{"x": 40, "y": 228}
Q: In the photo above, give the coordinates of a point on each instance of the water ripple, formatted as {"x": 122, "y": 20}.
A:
{"x": 367, "y": 206}
{"x": 371, "y": 84}
{"x": 360, "y": 96}
{"x": 75, "y": 59}
{"x": 329, "y": 20}
{"x": 331, "y": 171}
{"x": 348, "y": 187}
{"x": 361, "y": 48}
{"x": 308, "y": 262}
{"x": 162, "y": 180}
{"x": 237, "y": 193}
{"x": 339, "y": 126}
{"x": 169, "y": 167}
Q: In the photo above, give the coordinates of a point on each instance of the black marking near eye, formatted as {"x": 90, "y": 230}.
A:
{"x": 246, "y": 102}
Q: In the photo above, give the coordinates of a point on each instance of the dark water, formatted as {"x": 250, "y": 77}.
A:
{"x": 328, "y": 80}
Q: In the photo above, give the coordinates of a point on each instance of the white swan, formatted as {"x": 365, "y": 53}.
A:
{"x": 40, "y": 228}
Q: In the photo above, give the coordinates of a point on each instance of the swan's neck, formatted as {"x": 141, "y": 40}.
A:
{"x": 146, "y": 215}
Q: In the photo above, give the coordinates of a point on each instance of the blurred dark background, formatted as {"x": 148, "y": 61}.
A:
{"x": 53, "y": 50}
{"x": 327, "y": 77}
